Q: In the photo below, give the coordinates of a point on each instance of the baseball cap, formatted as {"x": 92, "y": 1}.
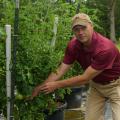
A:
{"x": 80, "y": 19}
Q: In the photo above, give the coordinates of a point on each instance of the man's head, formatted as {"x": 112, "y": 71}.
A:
{"x": 82, "y": 27}
{"x": 80, "y": 19}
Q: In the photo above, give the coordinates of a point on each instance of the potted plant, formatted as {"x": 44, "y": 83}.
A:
{"x": 58, "y": 113}
{"x": 43, "y": 107}
{"x": 35, "y": 59}
{"x": 74, "y": 99}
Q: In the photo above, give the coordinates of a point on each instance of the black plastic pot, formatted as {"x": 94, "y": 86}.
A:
{"x": 58, "y": 114}
{"x": 74, "y": 99}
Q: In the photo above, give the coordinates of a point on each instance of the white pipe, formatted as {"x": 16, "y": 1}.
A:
{"x": 8, "y": 72}
{"x": 17, "y": 4}
{"x": 54, "y": 31}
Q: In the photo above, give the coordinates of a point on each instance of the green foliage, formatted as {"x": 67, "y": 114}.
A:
{"x": 34, "y": 110}
{"x": 36, "y": 58}
{"x": 2, "y": 58}
{"x": 104, "y": 7}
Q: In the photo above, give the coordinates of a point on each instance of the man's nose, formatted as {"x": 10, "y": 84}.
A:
{"x": 80, "y": 31}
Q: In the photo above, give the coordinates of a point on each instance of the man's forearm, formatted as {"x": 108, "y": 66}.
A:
{"x": 53, "y": 77}
{"x": 62, "y": 69}
{"x": 89, "y": 74}
{"x": 73, "y": 81}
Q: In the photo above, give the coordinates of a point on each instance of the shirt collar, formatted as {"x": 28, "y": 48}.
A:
{"x": 91, "y": 47}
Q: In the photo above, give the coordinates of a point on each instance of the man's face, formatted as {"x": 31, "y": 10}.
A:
{"x": 83, "y": 33}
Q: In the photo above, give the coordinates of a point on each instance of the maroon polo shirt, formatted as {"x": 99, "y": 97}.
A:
{"x": 102, "y": 54}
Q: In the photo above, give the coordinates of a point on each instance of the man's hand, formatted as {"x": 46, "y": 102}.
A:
{"x": 35, "y": 91}
{"x": 49, "y": 87}
{"x": 51, "y": 83}
{"x": 46, "y": 88}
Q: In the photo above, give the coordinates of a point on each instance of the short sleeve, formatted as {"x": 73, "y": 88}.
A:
{"x": 104, "y": 60}
{"x": 69, "y": 56}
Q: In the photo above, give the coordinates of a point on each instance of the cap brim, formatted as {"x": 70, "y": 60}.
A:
{"x": 82, "y": 23}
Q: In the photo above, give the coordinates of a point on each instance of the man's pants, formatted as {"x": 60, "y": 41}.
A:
{"x": 97, "y": 97}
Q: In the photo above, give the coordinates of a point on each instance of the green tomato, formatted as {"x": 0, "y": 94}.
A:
{"x": 19, "y": 97}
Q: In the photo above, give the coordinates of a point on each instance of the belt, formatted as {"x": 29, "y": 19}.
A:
{"x": 108, "y": 82}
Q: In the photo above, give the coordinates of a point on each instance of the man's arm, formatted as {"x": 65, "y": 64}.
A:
{"x": 62, "y": 69}
{"x": 89, "y": 74}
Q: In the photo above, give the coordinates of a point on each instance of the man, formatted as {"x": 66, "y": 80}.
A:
{"x": 100, "y": 59}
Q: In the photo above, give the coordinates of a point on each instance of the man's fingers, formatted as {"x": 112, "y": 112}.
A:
{"x": 46, "y": 89}
{"x": 35, "y": 92}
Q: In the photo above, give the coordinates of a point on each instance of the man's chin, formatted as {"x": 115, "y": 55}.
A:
{"x": 82, "y": 40}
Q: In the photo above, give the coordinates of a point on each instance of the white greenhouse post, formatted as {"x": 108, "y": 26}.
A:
{"x": 8, "y": 72}
{"x": 54, "y": 31}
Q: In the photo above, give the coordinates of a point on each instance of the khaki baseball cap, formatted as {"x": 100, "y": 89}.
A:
{"x": 80, "y": 19}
